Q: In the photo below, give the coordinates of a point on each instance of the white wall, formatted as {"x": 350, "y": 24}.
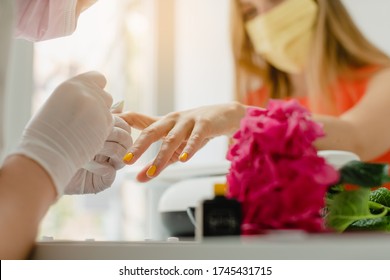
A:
{"x": 203, "y": 65}
{"x": 372, "y": 16}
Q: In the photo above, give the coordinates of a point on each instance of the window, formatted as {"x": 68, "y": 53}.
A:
{"x": 116, "y": 39}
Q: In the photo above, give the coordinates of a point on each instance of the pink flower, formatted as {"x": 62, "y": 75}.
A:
{"x": 275, "y": 171}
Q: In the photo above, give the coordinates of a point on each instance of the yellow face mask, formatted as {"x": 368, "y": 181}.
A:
{"x": 283, "y": 35}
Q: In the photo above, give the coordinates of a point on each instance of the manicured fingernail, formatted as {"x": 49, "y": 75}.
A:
{"x": 128, "y": 157}
{"x": 183, "y": 157}
{"x": 151, "y": 171}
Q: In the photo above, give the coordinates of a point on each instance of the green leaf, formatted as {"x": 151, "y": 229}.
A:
{"x": 364, "y": 174}
{"x": 334, "y": 189}
{"x": 348, "y": 207}
{"x": 376, "y": 208}
{"x": 381, "y": 196}
{"x": 379, "y": 224}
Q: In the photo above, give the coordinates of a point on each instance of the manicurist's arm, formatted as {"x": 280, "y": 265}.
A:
{"x": 26, "y": 193}
{"x": 66, "y": 133}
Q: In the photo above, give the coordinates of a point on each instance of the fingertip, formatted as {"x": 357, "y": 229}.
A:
{"x": 101, "y": 80}
{"x": 126, "y": 117}
{"x": 97, "y": 77}
{"x": 183, "y": 157}
{"x": 142, "y": 178}
{"x": 151, "y": 171}
{"x": 128, "y": 158}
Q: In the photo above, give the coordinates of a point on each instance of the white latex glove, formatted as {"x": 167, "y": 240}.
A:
{"x": 99, "y": 174}
{"x": 70, "y": 129}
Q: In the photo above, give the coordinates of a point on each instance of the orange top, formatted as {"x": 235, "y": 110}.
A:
{"x": 347, "y": 93}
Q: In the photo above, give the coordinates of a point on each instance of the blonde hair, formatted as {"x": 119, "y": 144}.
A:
{"x": 338, "y": 49}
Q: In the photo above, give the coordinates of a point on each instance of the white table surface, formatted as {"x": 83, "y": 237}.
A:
{"x": 275, "y": 246}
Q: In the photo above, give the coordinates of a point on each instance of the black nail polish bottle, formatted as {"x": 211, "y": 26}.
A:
{"x": 219, "y": 216}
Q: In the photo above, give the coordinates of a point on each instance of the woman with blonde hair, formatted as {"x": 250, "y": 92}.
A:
{"x": 308, "y": 50}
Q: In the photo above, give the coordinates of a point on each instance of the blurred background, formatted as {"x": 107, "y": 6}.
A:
{"x": 159, "y": 56}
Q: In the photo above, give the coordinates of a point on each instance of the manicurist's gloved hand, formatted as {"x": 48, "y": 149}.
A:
{"x": 70, "y": 128}
{"x": 99, "y": 174}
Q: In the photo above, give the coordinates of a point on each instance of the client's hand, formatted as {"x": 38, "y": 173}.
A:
{"x": 183, "y": 134}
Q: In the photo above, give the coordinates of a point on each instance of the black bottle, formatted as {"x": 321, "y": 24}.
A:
{"x": 219, "y": 216}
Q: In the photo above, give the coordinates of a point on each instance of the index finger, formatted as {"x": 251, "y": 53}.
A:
{"x": 148, "y": 136}
{"x": 136, "y": 120}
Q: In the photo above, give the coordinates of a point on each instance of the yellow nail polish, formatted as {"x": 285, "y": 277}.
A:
{"x": 128, "y": 157}
{"x": 183, "y": 157}
{"x": 151, "y": 171}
